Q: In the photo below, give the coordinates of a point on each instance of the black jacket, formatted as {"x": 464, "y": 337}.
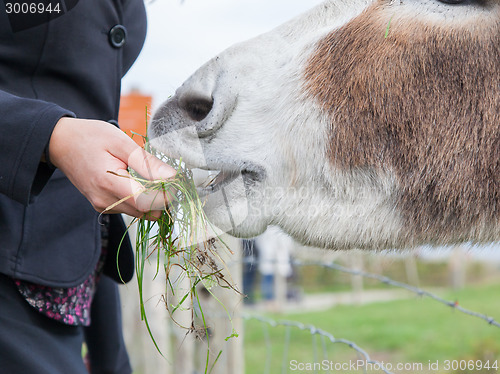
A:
{"x": 70, "y": 65}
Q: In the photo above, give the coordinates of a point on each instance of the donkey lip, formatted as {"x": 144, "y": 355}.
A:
{"x": 222, "y": 178}
{"x": 217, "y": 181}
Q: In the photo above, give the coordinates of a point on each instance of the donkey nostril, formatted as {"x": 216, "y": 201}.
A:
{"x": 197, "y": 108}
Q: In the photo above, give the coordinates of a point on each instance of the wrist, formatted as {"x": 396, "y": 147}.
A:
{"x": 46, "y": 156}
{"x": 55, "y": 147}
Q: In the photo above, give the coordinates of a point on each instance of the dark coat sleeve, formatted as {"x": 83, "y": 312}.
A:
{"x": 54, "y": 69}
{"x": 26, "y": 126}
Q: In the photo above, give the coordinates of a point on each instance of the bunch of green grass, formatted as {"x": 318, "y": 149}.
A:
{"x": 182, "y": 237}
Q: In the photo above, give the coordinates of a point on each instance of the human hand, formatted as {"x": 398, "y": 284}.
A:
{"x": 85, "y": 150}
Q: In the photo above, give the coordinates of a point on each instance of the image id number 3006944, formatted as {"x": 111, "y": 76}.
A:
{"x": 471, "y": 365}
{"x": 16, "y": 7}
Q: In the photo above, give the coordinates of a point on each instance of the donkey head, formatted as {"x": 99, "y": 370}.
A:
{"x": 361, "y": 123}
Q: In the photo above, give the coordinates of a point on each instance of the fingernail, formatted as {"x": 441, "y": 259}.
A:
{"x": 167, "y": 172}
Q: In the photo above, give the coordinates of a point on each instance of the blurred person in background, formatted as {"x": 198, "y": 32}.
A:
{"x": 250, "y": 269}
{"x": 274, "y": 259}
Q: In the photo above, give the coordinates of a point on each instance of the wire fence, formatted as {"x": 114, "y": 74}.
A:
{"x": 314, "y": 331}
{"x": 321, "y": 339}
{"x": 327, "y": 337}
{"x": 388, "y": 281}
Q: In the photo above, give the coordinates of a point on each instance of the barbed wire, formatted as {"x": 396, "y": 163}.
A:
{"x": 388, "y": 281}
{"x": 314, "y": 331}
{"x": 416, "y": 290}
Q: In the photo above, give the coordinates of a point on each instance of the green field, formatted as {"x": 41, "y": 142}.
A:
{"x": 416, "y": 330}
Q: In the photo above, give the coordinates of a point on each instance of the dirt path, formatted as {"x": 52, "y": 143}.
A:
{"x": 325, "y": 301}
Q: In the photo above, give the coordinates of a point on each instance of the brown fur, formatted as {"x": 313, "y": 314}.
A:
{"x": 423, "y": 103}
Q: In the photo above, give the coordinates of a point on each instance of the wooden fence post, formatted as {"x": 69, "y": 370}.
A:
{"x": 143, "y": 355}
{"x": 224, "y": 318}
{"x": 357, "y": 280}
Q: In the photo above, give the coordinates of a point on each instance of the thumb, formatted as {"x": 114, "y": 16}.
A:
{"x": 148, "y": 166}
{"x": 144, "y": 163}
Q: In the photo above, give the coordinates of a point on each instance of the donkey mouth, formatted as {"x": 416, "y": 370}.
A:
{"x": 219, "y": 179}
{"x": 216, "y": 180}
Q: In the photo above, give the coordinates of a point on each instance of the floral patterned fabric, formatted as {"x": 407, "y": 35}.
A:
{"x": 70, "y": 306}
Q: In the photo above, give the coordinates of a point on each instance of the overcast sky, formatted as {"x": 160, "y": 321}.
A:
{"x": 183, "y": 36}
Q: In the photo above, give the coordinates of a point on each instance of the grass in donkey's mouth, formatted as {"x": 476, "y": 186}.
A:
{"x": 182, "y": 237}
